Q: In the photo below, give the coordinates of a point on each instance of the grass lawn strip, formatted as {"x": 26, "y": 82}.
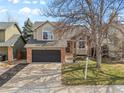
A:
{"x": 108, "y": 74}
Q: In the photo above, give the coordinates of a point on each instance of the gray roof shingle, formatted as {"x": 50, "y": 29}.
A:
{"x": 5, "y": 25}
{"x": 10, "y": 42}
{"x": 55, "y": 43}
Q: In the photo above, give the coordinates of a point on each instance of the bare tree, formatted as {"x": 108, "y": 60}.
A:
{"x": 95, "y": 15}
{"x": 10, "y": 18}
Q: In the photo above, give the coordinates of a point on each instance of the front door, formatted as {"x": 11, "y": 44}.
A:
{"x": 81, "y": 47}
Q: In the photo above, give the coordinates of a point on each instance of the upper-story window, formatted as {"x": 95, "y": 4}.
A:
{"x": 81, "y": 44}
{"x": 48, "y": 35}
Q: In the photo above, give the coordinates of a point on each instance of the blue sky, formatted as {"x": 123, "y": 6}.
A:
{"x": 20, "y": 10}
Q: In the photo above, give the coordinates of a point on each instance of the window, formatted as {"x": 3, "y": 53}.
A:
{"x": 68, "y": 50}
{"x": 81, "y": 44}
{"x": 47, "y": 35}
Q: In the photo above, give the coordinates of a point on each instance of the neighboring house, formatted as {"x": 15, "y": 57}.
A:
{"x": 115, "y": 41}
{"x": 50, "y": 44}
{"x": 11, "y": 41}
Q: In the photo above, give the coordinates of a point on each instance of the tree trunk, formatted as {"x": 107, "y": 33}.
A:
{"x": 98, "y": 56}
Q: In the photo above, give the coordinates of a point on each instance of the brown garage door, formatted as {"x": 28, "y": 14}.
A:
{"x": 46, "y": 56}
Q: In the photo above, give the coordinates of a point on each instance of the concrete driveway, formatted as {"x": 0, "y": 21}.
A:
{"x": 34, "y": 77}
{"x": 46, "y": 78}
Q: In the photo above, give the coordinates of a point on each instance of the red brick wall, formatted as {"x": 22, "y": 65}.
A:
{"x": 10, "y": 54}
{"x": 29, "y": 55}
{"x": 63, "y": 55}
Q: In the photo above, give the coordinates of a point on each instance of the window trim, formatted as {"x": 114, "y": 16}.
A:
{"x": 47, "y": 39}
{"x": 84, "y": 44}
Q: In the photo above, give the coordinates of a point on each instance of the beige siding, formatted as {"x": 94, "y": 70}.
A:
{"x": 81, "y": 51}
{"x": 38, "y": 32}
{"x": 2, "y": 36}
{"x": 35, "y": 34}
{"x": 10, "y": 31}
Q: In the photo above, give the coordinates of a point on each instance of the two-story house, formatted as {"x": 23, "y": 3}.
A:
{"x": 50, "y": 44}
{"x": 11, "y": 41}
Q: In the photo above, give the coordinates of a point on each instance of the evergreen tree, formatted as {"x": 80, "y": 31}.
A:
{"x": 27, "y": 29}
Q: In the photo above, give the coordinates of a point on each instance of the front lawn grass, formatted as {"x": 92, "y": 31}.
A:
{"x": 108, "y": 74}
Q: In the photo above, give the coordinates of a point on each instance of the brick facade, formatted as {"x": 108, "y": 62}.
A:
{"x": 63, "y": 55}
{"x": 10, "y": 54}
{"x": 29, "y": 55}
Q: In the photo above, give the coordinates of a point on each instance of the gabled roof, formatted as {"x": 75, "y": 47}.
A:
{"x": 45, "y": 44}
{"x": 38, "y": 24}
{"x": 75, "y": 32}
{"x": 5, "y": 25}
